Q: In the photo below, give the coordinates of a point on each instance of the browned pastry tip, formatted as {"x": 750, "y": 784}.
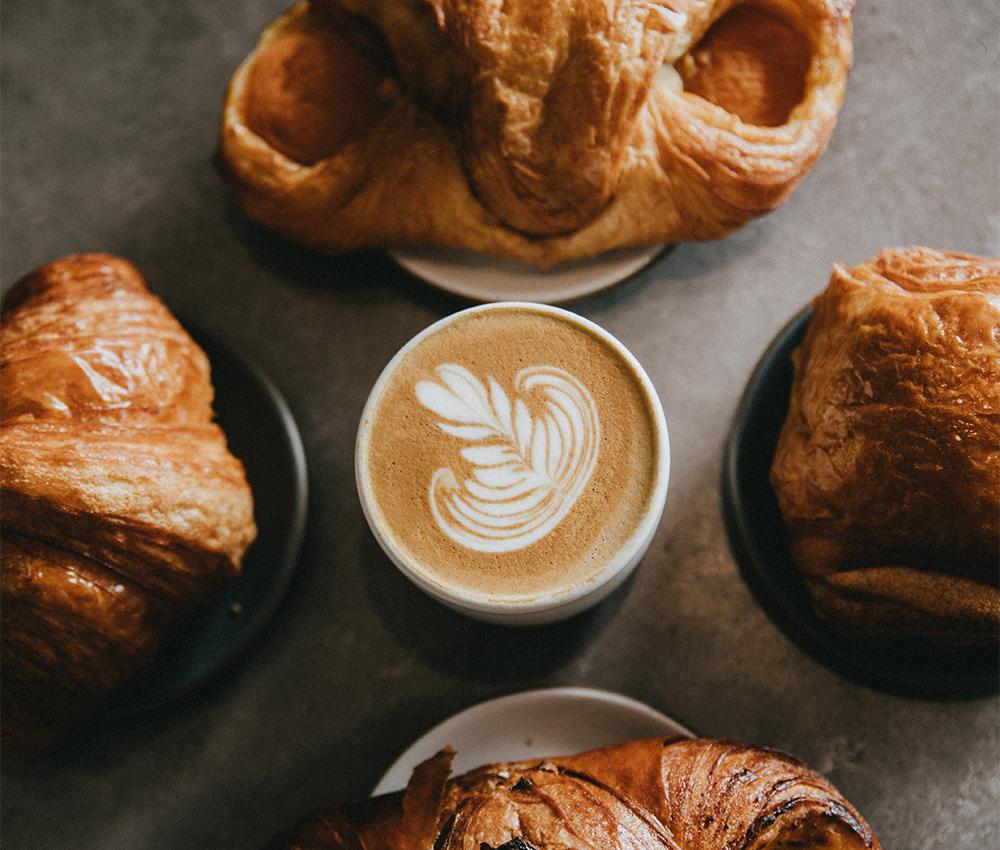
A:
{"x": 537, "y": 131}
{"x": 887, "y": 470}
{"x": 721, "y": 795}
{"x": 678, "y": 794}
{"x": 94, "y": 624}
{"x": 122, "y": 506}
{"x": 83, "y": 339}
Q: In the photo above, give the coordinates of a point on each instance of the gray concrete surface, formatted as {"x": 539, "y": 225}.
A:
{"x": 109, "y": 121}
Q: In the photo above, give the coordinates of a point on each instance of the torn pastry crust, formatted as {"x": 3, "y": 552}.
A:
{"x": 536, "y": 131}
{"x": 887, "y": 470}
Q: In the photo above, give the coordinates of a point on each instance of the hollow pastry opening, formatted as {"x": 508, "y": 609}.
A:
{"x": 311, "y": 91}
{"x": 752, "y": 62}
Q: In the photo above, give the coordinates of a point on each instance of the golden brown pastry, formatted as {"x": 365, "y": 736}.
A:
{"x": 887, "y": 470}
{"x": 533, "y": 130}
{"x": 122, "y": 507}
{"x": 677, "y": 794}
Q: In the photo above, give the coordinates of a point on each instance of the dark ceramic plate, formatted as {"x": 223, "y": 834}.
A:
{"x": 759, "y": 541}
{"x": 262, "y": 434}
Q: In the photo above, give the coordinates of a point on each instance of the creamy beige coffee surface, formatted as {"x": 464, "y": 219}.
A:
{"x": 511, "y": 453}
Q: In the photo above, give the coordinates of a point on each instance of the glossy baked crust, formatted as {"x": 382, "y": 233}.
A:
{"x": 887, "y": 470}
{"x": 678, "y": 794}
{"x": 122, "y": 507}
{"x": 538, "y": 131}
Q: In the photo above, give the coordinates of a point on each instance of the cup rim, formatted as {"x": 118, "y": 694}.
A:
{"x": 624, "y": 559}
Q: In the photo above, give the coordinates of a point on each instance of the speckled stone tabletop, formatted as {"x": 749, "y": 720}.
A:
{"x": 110, "y": 112}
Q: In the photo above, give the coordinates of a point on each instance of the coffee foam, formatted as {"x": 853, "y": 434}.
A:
{"x": 511, "y": 453}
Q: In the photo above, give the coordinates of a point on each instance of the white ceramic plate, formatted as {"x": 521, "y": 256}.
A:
{"x": 533, "y": 724}
{"x": 482, "y": 278}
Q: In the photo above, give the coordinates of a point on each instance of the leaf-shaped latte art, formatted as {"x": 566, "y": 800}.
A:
{"x": 527, "y": 471}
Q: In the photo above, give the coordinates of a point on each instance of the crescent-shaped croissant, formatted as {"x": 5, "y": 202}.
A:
{"x": 678, "y": 794}
{"x": 887, "y": 470}
{"x": 122, "y": 507}
{"x": 534, "y": 130}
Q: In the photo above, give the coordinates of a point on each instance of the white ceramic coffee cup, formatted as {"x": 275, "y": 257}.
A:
{"x": 559, "y": 603}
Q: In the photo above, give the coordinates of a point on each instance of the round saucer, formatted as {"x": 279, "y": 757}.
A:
{"x": 483, "y": 278}
{"x": 532, "y": 724}
{"x": 759, "y": 541}
{"x": 262, "y": 434}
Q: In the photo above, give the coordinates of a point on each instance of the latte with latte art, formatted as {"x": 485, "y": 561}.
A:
{"x": 510, "y": 453}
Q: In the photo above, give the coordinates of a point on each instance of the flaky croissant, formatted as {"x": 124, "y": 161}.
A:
{"x": 122, "y": 507}
{"x": 533, "y": 130}
{"x": 677, "y": 794}
{"x": 887, "y": 470}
